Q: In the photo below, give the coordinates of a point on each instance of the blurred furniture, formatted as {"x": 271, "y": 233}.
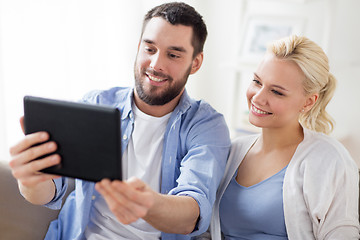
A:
{"x": 20, "y": 219}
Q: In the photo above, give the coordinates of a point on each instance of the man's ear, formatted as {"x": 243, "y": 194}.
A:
{"x": 310, "y": 101}
{"x": 196, "y": 63}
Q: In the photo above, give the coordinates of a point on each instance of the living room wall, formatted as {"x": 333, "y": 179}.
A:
{"x": 332, "y": 24}
{"x": 62, "y": 49}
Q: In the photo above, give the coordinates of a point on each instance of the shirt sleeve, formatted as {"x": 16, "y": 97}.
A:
{"x": 207, "y": 145}
{"x": 61, "y": 185}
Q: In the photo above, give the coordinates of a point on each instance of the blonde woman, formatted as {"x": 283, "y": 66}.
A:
{"x": 291, "y": 181}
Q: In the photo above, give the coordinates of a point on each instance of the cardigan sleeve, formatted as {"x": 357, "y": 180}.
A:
{"x": 331, "y": 191}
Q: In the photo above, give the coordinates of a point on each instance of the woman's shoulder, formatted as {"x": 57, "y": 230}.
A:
{"x": 324, "y": 149}
{"x": 320, "y": 142}
{"x": 239, "y": 140}
{"x": 243, "y": 142}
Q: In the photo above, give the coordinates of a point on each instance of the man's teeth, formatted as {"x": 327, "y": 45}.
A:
{"x": 259, "y": 111}
{"x": 155, "y": 79}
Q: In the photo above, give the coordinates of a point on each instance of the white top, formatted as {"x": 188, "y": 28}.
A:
{"x": 320, "y": 191}
{"x": 141, "y": 159}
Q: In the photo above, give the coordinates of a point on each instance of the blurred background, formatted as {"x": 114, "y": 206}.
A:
{"x": 63, "y": 48}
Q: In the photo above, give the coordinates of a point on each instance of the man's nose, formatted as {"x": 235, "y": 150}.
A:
{"x": 157, "y": 62}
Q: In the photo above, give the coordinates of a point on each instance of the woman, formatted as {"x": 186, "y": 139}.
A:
{"x": 291, "y": 181}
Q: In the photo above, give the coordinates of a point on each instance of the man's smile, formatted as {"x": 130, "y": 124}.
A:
{"x": 156, "y": 79}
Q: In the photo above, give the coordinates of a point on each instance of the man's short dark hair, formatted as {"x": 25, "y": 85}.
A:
{"x": 184, "y": 14}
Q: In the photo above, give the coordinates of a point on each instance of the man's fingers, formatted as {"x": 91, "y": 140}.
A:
{"x": 28, "y": 141}
{"x": 22, "y": 124}
{"x": 135, "y": 199}
{"x": 136, "y": 183}
{"x": 35, "y": 179}
{"x": 126, "y": 214}
{"x": 37, "y": 165}
{"x": 126, "y": 209}
{"x": 105, "y": 187}
{"x": 136, "y": 190}
{"x": 34, "y": 167}
{"x": 32, "y": 153}
{"x": 115, "y": 202}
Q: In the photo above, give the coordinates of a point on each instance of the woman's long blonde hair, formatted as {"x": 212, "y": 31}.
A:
{"x": 315, "y": 65}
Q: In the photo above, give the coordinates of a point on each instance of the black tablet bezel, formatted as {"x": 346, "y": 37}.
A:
{"x": 88, "y": 136}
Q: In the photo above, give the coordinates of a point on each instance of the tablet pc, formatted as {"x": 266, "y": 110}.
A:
{"x": 87, "y": 136}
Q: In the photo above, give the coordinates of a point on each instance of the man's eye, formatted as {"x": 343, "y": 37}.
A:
{"x": 149, "y": 50}
{"x": 171, "y": 55}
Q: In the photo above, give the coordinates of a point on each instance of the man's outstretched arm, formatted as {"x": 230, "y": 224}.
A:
{"x": 133, "y": 199}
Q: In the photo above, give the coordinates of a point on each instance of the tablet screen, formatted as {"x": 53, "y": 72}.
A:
{"x": 88, "y": 136}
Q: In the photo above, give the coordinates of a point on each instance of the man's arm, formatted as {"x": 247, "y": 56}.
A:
{"x": 179, "y": 214}
{"x": 36, "y": 187}
{"x": 133, "y": 199}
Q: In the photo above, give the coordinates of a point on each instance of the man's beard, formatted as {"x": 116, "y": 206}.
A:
{"x": 150, "y": 96}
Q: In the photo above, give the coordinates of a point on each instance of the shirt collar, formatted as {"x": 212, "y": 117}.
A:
{"x": 127, "y": 111}
{"x": 183, "y": 105}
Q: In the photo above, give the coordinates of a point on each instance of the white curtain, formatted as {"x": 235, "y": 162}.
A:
{"x": 62, "y": 49}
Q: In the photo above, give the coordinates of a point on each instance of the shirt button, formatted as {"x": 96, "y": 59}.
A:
{"x": 125, "y": 137}
{"x": 93, "y": 197}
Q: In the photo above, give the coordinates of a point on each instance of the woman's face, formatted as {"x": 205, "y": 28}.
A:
{"x": 276, "y": 96}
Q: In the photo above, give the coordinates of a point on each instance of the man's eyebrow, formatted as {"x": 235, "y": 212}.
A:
{"x": 179, "y": 49}
{"x": 148, "y": 41}
{"x": 175, "y": 48}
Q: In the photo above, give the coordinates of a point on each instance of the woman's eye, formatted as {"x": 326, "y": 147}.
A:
{"x": 277, "y": 93}
{"x": 256, "y": 81}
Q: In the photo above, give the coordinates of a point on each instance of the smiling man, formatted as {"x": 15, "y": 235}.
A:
{"x": 174, "y": 148}
{"x": 163, "y": 64}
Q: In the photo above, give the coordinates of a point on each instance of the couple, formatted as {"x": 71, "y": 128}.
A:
{"x": 289, "y": 182}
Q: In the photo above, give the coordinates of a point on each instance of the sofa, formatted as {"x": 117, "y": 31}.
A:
{"x": 19, "y": 219}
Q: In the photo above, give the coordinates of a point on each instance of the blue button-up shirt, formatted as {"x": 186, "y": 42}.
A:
{"x": 196, "y": 146}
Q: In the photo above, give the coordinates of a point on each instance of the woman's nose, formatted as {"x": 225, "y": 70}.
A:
{"x": 260, "y": 97}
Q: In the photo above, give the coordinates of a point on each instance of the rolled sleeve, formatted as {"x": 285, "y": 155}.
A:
{"x": 61, "y": 187}
{"x": 204, "y": 207}
{"x": 203, "y": 166}
{"x": 199, "y": 179}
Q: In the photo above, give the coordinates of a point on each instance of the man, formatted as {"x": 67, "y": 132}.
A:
{"x": 174, "y": 148}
